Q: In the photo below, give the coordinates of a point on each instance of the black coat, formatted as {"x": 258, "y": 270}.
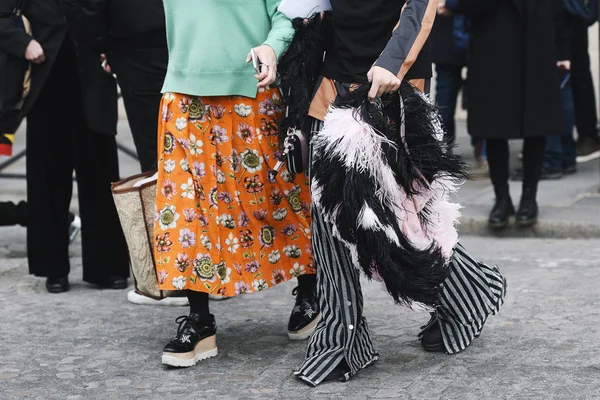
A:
{"x": 96, "y": 21}
{"x": 444, "y": 49}
{"x": 513, "y": 79}
{"x": 49, "y": 27}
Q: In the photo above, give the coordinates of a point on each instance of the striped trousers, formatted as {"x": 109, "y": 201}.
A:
{"x": 471, "y": 293}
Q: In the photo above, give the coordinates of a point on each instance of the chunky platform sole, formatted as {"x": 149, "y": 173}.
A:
{"x": 206, "y": 348}
{"x": 434, "y": 348}
{"x": 305, "y": 332}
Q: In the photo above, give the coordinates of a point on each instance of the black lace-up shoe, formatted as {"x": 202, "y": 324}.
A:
{"x": 431, "y": 336}
{"x": 305, "y": 314}
{"x": 195, "y": 341}
{"x": 57, "y": 285}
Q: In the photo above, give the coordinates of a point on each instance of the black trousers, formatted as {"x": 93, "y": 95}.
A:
{"x": 58, "y": 143}
{"x": 498, "y": 155}
{"x": 584, "y": 96}
{"x": 140, "y": 63}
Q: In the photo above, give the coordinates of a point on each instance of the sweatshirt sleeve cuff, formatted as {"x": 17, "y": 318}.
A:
{"x": 278, "y": 45}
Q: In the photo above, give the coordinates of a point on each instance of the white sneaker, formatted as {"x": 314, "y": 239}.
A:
{"x": 74, "y": 228}
{"x": 136, "y": 298}
{"x": 217, "y": 298}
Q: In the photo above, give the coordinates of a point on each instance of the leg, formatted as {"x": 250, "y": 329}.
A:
{"x": 342, "y": 334}
{"x": 498, "y": 156}
{"x": 583, "y": 87}
{"x": 448, "y": 85}
{"x": 104, "y": 251}
{"x": 50, "y": 162}
{"x": 141, "y": 64}
{"x": 553, "y": 156}
{"x": 472, "y": 292}
{"x": 196, "y": 336}
{"x": 569, "y": 154}
{"x": 13, "y": 214}
{"x": 533, "y": 160}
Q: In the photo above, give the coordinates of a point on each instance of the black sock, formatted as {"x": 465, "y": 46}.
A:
{"x": 307, "y": 282}
{"x": 198, "y": 304}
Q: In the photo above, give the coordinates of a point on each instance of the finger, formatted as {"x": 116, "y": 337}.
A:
{"x": 263, "y": 83}
{"x": 272, "y": 76}
{"x": 373, "y": 91}
{"x": 269, "y": 78}
{"x": 108, "y": 69}
{"x": 264, "y": 72}
{"x": 382, "y": 89}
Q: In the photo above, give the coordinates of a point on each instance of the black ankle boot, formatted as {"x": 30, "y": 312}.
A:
{"x": 528, "y": 208}
{"x": 502, "y": 210}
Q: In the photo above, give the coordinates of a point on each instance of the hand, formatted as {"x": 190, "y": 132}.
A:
{"x": 441, "y": 8}
{"x": 104, "y": 64}
{"x": 382, "y": 81}
{"x": 564, "y": 65}
{"x": 268, "y": 65}
{"x": 34, "y": 52}
{"x": 322, "y": 16}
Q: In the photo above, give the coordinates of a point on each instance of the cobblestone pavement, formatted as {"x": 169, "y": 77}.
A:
{"x": 92, "y": 344}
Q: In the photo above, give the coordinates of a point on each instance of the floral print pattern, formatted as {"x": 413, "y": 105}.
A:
{"x": 221, "y": 226}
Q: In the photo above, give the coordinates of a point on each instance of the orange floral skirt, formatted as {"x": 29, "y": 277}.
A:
{"x": 221, "y": 226}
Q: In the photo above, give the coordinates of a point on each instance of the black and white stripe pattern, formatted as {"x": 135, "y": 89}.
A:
{"x": 471, "y": 293}
{"x": 468, "y": 296}
{"x": 342, "y": 332}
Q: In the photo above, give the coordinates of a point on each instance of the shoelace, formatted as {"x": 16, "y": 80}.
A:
{"x": 183, "y": 321}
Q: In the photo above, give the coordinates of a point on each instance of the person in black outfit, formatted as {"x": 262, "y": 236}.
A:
{"x": 514, "y": 90}
{"x": 584, "y": 98}
{"x": 71, "y": 125}
{"x": 450, "y": 40}
{"x": 132, "y": 35}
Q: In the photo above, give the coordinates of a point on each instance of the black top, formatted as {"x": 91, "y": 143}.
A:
{"x": 361, "y": 31}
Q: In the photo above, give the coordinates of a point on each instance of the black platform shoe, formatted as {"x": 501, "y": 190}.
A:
{"x": 305, "y": 314}
{"x": 195, "y": 341}
{"x": 431, "y": 336}
{"x": 57, "y": 285}
{"x": 503, "y": 209}
{"x": 528, "y": 208}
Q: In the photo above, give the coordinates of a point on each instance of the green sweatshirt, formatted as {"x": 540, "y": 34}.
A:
{"x": 210, "y": 39}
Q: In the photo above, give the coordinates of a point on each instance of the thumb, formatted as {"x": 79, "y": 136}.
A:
{"x": 370, "y": 75}
{"x": 249, "y": 57}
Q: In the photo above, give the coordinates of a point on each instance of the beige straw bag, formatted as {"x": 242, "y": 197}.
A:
{"x": 135, "y": 199}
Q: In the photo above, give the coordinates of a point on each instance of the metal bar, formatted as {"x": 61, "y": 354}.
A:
{"x": 131, "y": 153}
{"x": 11, "y": 160}
{"x": 13, "y": 176}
